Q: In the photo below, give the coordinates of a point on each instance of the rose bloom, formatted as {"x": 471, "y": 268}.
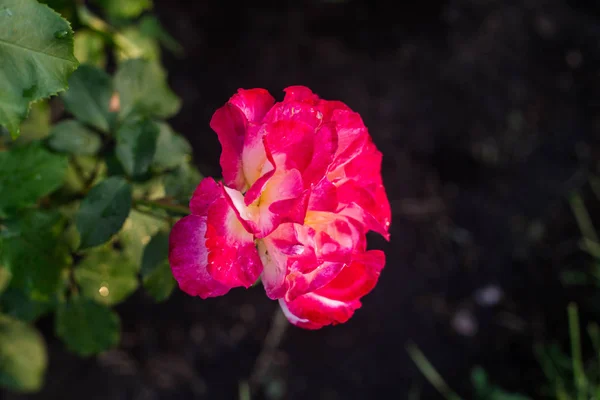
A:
{"x": 301, "y": 188}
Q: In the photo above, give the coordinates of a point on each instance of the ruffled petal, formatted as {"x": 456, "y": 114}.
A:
{"x": 230, "y": 124}
{"x": 232, "y": 256}
{"x": 205, "y": 194}
{"x": 312, "y": 311}
{"x": 336, "y": 302}
{"x": 274, "y": 251}
{"x": 254, "y": 103}
{"x": 188, "y": 257}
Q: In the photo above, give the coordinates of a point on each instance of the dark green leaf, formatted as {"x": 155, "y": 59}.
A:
{"x": 87, "y": 327}
{"x": 34, "y": 253}
{"x": 107, "y": 276}
{"x": 36, "y": 57}
{"x": 156, "y": 272}
{"x": 29, "y": 173}
{"x": 172, "y": 149}
{"x": 18, "y": 304}
{"x": 142, "y": 87}
{"x": 136, "y": 145}
{"x": 103, "y": 211}
{"x": 23, "y": 356}
{"x": 89, "y": 48}
{"x": 74, "y": 138}
{"x": 125, "y": 8}
{"x": 88, "y": 97}
{"x": 181, "y": 183}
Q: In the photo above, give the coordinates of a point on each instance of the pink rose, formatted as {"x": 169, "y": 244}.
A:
{"x": 301, "y": 188}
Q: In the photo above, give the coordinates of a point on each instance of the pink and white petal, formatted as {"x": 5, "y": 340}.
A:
{"x": 255, "y": 160}
{"x": 274, "y": 251}
{"x": 299, "y": 284}
{"x": 188, "y": 257}
{"x": 231, "y": 124}
{"x": 352, "y": 137}
{"x": 356, "y": 280}
{"x": 205, "y": 194}
{"x": 254, "y": 103}
{"x": 312, "y": 311}
{"x": 232, "y": 256}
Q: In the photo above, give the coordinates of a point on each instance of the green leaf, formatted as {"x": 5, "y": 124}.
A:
{"x": 136, "y": 145}
{"x": 36, "y": 57}
{"x": 89, "y": 48}
{"x": 172, "y": 149}
{"x": 156, "y": 272}
{"x": 103, "y": 211}
{"x": 125, "y": 8}
{"x": 142, "y": 87}
{"x": 74, "y": 138}
{"x": 181, "y": 183}
{"x": 29, "y": 173}
{"x": 18, "y": 304}
{"x": 34, "y": 253}
{"x": 106, "y": 276}
{"x": 137, "y": 232}
{"x": 88, "y": 97}
{"x": 86, "y": 327}
{"x": 23, "y": 358}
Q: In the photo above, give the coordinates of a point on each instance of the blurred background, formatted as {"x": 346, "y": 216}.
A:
{"x": 486, "y": 112}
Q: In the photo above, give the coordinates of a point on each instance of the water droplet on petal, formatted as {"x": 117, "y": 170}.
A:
{"x": 61, "y": 34}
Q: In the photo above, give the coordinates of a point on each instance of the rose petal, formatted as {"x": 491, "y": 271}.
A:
{"x": 274, "y": 251}
{"x": 323, "y": 197}
{"x": 291, "y": 143}
{"x": 230, "y": 124}
{"x": 254, "y": 103}
{"x": 188, "y": 258}
{"x": 299, "y": 93}
{"x": 356, "y": 280}
{"x": 205, "y": 194}
{"x": 336, "y": 302}
{"x": 312, "y": 311}
{"x": 232, "y": 258}
{"x": 326, "y": 144}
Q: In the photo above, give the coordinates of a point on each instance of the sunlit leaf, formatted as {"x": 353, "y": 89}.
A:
{"x": 23, "y": 358}
{"x": 106, "y": 276}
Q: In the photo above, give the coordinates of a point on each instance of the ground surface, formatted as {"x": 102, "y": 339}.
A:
{"x": 484, "y": 111}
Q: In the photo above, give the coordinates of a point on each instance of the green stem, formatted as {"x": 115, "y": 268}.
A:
{"x": 578, "y": 371}
{"x": 163, "y": 205}
{"x": 430, "y": 372}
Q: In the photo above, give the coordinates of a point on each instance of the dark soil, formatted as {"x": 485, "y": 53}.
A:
{"x": 487, "y": 115}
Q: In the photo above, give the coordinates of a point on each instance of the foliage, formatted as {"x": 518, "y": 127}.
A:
{"x": 88, "y": 193}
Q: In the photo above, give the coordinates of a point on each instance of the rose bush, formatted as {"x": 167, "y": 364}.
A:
{"x": 301, "y": 188}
